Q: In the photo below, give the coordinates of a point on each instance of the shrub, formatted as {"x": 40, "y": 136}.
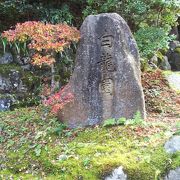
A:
{"x": 43, "y": 40}
{"x": 151, "y": 39}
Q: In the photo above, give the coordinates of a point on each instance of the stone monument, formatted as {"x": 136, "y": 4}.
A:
{"x": 106, "y": 81}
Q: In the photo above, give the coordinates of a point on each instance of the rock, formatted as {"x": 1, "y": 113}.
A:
{"x": 12, "y": 83}
{"x": 5, "y": 104}
{"x": 106, "y": 81}
{"x": 174, "y": 55}
{"x": 117, "y": 174}
{"x": 15, "y": 79}
{"x": 164, "y": 64}
{"x": 5, "y": 84}
{"x": 174, "y": 60}
{"x": 21, "y": 60}
{"x": 173, "y": 45}
{"x": 153, "y": 62}
{"x": 174, "y": 31}
{"x": 26, "y": 67}
{"x": 173, "y": 145}
{"x": 26, "y": 60}
{"x": 6, "y": 58}
{"x": 173, "y": 174}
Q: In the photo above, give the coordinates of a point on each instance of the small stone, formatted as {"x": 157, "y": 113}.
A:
{"x": 5, "y": 103}
{"x": 62, "y": 157}
{"x": 173, "y": 174}
{"x": 7, "y": 58}
{"x": 173, "y": 145}
{"x": 26, "y": 67}
{"x": 117, "y": 174}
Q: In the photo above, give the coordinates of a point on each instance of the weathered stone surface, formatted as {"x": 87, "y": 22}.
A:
{"x": 174, "y": 60}
{"x": 175, "y": 31}
{"x": 173, "y": 45}
{"x": 5, "y": 104}
{"x": 153, "y": 62}
{"x": 164, "y": 64}
{"x": 106, "y": 80}
{"x": 117, "y": 174}
{"x": 12, "y": 83}
{"x": 173, "y": 145}
{"x": 174, "y": 55}
{"x": 12, "y": 89}
{"x": 173, "y": 174}
{"x": 6, "y": 58}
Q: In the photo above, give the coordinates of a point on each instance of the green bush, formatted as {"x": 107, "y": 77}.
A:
{"x": 151, "y": 39}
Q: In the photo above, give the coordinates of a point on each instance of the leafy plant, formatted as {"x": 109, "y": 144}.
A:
{"x": 4, "y": 42}
{"x": 121, "y": 121}
{"x": 113, "y": 122}
{"x": 137, "y": 120}
{"x": 151, "y": 39}
{"x": 86, "y": 162}
{"x": 109, "y": 122}
{"x": 37, "y": 149}
{"x": 57, "y": 15}
{"x": 58, "y": 100}
{"x": 59, "y": 129}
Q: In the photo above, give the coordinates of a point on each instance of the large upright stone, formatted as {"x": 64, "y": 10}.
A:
{"x": 106, "y": 81}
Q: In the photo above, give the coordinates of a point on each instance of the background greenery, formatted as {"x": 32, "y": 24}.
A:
{"x": 148, "y": 19}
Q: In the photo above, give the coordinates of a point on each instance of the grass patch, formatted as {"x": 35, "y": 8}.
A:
{"x": 32, "y": 149}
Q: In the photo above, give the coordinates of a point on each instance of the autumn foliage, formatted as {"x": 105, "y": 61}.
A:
{"x": 59, "y": 99}
{"x": 44, "y": 39}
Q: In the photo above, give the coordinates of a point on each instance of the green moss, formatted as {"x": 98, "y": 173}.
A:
{"x": 175, "y": 160}
{"x": 177, "y": 50}
{"x": 166, "y": 73}
{"x": 99, "y": 154}
{"x": 16, "y": 161}
{"x": 160, "y": 55}
{"x": 90, "y": 154}
{"x": 5, "y": 174}
{"x": 57, "y": 77}
{"x": 30, "y": 80}
{"x": 5, "y": 69}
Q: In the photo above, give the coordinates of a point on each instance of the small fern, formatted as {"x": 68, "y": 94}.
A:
{"x": 121, "y": 121}
{"x": 109, "y": 122}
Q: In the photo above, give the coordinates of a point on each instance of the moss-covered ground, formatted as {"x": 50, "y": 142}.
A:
{"x": 34, "y": 146}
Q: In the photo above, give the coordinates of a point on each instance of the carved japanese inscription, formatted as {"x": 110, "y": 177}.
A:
{"x": 107, "y": 40}
{"x": 107, "y": 66}
{"x": 107, "y": 86}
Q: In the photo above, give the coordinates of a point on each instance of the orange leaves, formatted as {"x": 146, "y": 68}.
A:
{"x": 43, "y": 37}
{"x": 60, "y": 99}
{"x": 38, "y": 60}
